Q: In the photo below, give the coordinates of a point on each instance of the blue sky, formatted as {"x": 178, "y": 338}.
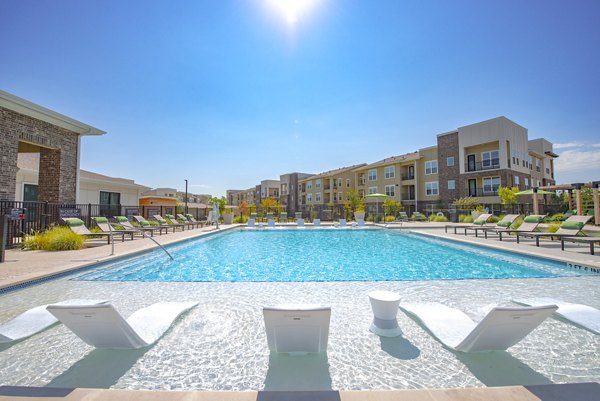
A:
{"x": 228, "y": 93}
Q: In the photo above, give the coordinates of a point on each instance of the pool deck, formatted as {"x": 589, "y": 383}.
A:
{"x": 25, "y": 266}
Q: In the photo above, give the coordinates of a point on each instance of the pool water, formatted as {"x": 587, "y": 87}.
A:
{"x": 292, "y": 255}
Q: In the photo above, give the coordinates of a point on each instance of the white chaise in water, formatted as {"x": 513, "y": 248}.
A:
{"x": 297, "y": 329}
{"x": 582, "y": 315}
{"x": 35, "y": 320}
{"x": 103, "y": 327}
{"x": 500, "y": 329}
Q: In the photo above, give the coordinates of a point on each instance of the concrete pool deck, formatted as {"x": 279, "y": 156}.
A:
{"x": 23, "y": 266}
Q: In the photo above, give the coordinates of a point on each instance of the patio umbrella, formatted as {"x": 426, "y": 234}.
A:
{"x": 376, "y": 197}
{"x": 535, "y": 194}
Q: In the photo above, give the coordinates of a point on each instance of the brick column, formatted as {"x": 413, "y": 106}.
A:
{"x": 8, "y": 157}
{"x": 49, "y": 176}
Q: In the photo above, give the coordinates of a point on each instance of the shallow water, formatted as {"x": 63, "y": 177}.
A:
{"x": 221, "y": 344}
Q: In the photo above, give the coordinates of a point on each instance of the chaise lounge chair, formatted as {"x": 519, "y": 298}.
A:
{"x": 582, "y": 315}
{"x": 144, "y": 224}
{"x": 35, "y": 320}
{"x": 78, "y": 227}
{"x": 417, "y": 216}
{"x": 297, "y": 329}
{"x": 568, "y": 228}
{"x": 171, "y": 220}
{"x": 402, "y": 216}
{"x": 342, "y": 223}
{"x": 104, "y": 225}
{"x": 102, "y": 326}
{"x": 188, "y": 222}
{"x": 500, "y": 329}
{"x": 163, "y": 223}
{"x": 193, "y": 219}
{"x": 503, "y": 224}
{"x": 479, "y": 222}
{"x": 530, "y": 224}
{"x": 581, "y": 240}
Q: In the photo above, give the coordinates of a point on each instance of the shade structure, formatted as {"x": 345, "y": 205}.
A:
{"x": 376, "y": 196}
{"x": 532, "y": 192}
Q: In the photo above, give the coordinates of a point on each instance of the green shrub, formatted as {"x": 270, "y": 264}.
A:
{"x": 517, "y": 223}
{"x": 438, "y": 219}
{"x": 467, "y": 219}
{"x": 494, "y": 219}
{"x": 461, "y": 218}
{"x": 55, "y": 239}
{"x": 240, "y": 219}
{"x": 552, "y": 228}
{"x": 557, "y": 217}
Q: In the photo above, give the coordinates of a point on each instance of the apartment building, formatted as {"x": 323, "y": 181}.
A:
{"x": 289, "y": 196}
{"x": 477, "y": 159}
{"x": 327, "y": 188}
{"x": 236, "y": 196}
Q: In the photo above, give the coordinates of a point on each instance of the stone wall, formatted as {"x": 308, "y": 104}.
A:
{"x": 58, "y": 156}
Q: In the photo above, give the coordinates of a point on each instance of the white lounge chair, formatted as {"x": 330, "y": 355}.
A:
{"x": 300, "y": 222}
{"x": 342, "y": 222}
{"x": 35, "y": 320}
{"x": 316, "y": 222}
{"x": 360, "y": 222}
{"x": 500, "y": 329}
{"x": 582, "y": 315}
{"x": 103, "y": 327}
{"x": 270, "y": 223}
{"x": 297, "y": 329}
{"x": 251, "y": 223}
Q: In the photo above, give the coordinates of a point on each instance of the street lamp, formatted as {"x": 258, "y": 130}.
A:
{"x": 186, "y": 196}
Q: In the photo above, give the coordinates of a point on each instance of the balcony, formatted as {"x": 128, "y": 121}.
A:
{"x": 482, "y": 166}
{"x": 406, "y": 177}
{"x": 479, "y": 192}
{"x": 408, "y": 197}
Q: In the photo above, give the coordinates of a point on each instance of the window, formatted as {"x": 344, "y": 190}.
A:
{"x": 309, "y": 197}
{"x": 450, "y": 161}
{"x": 431, "y": 167}
{"x": 390, "y": 190}
{"x": 372, "y": 175}
{"x": 431, "y": 188}
{"x": 451, "y": 184}
{"x": 537, "y": 165}
{"x": 491, "y": 184}
{"x": 335, "y": 197}
{"x": 318, "y": 184}
{"x": 526, "y": 183}
{"x": 390, "y": 172}
{"x": 517, "y": 181}
{"x": 372, "y": 190}
{"x": 318, "y": 197}
{"x": 491, "y": 160}
{"x": 539, "y": 184}
{"x": 109, "y": 203}
{"x": 547, "y": 164}
{"x": 340, "y": 196}
{"x": 347, "y": 182}
{"x": 309, "y": 185}
{"x": 339, "y": 182}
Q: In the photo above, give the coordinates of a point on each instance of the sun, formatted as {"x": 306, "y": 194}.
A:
{"x": 292, "y": 9}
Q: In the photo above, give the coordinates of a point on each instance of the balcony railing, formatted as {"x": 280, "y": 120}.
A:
{"x": 408, "y": 177}
{"x": 482, "y": 166}
{"x": 481, "y": 192}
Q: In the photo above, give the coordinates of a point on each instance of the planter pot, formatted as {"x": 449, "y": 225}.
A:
{"x": 228, "y": 218}
{"x": 359, "y": 215}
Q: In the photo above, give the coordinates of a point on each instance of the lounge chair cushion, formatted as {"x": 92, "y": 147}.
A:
{"x": 100, "y": 219}
{"x": 479, "y": 222}
{"x": 503, "y": 223}
{"x": 532, "y": 219}
{"x": 572, "y": 225}
{"x": 121, "y": 219}
{"x": 73, "y": 221}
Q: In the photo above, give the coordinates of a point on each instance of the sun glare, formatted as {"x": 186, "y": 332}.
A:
{"x": 292, "y": 9}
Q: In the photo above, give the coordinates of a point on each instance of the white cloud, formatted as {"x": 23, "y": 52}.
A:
{"x": 585, "y": 162}
{"x": 567, "y": 145}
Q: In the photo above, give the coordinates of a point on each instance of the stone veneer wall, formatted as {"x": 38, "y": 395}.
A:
{"x": 448, "y": 146}
{"x": 58, "y": 156}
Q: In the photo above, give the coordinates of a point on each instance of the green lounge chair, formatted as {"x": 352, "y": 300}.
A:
{"x": 183, "y": 220}
{"x": 165, "y": 223}
{"x": 530, "y": 225}
{"x": 145, "y": 223}
{"x": 479, "y": 222}
{"x": 78, "y": 227}
{"x": 103, "y": 224}
{"x": 124, "y": 221}
{"x": 569, "y": 228}
{"x": 193, "y": 220}
{"x": 417, "y": 216}
{"x": 506, "y": 222}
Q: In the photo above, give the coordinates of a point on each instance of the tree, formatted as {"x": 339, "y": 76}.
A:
{"x": 467, "y": 203}
{"x": 508, "y": 196}
{"x": 354, "y": 203}
{"x": 269, "y": 204}
{"x": 391, "y": 207}
{"x": 244, "y": 208}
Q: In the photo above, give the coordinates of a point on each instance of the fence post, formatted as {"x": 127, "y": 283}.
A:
{"x": 89, "y": 215}
{"x": 3, "y": 236}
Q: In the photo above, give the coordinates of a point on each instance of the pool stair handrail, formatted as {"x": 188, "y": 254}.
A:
{"x": 35, "y": 320}
{"x": 102, "y": 326}
{"x": 297, "y": 329}
{"x": 500, "y": 329}
{"x": 582, "y": 315}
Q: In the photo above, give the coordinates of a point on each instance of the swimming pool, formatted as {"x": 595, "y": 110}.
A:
{"x": 325, "y": 255}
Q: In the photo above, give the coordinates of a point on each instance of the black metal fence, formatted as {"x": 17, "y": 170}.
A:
{"x": 38, "y": 216}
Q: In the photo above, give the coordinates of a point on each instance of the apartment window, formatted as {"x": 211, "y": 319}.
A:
{"x": 537, "y": 165}
{"x": 361, "y": 193}
{"x": 318, "y": 197}
{"x": 347, "y": 182}
{"x": 309, "y": 185}
{"x": 547, "y": 165}
{"x": 390, "y": 172}
{"x": 517, "y": 181}
{"x": 335, "y": 197}
{"x": 491, "y": 184}
{"x": 451, "y": 184}
{"x": 309, "y": 197}
{"x": 431, "y": 167}
{"x": 109, "y": 203}
{"x": 340, "y": 196}
{"x": 539, "y": 184}
{"x": 339, "y": 182}
{"x": 450, "y": 161}
{"x": 390, "y": 190}
{"x": 318, "y": 184}
{"x": 372, "y": 175}
{"x": 372, "y": 190}
{"x": 431, "y": 188}
{"x": 491, "y": 160}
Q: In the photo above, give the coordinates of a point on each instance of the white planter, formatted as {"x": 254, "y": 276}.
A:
{"x": 228, "y": 218}
{"x": 359, "y": 215}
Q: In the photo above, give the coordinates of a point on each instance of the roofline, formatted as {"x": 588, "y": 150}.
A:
{"x": 25, "y": 107}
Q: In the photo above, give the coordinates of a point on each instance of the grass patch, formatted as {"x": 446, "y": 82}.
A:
{"x": 55, "y": 239}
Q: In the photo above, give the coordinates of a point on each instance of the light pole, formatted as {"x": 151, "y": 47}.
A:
{"x": 186, "y": 196}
